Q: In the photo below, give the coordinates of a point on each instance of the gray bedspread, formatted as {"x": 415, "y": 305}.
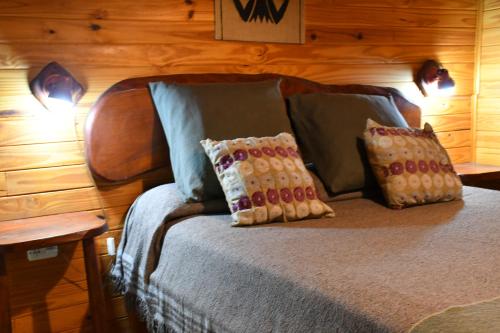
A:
{"x": 370, "y": 269}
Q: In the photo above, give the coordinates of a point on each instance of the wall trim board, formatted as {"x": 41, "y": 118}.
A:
{"x": 477, "y": 74}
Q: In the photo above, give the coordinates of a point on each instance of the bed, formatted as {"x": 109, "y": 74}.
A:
{"x": 430, "y": 268}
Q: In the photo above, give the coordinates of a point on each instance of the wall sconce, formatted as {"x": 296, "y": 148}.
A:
{"x": 55, "y": 88}
{"x": 433, "y": 79}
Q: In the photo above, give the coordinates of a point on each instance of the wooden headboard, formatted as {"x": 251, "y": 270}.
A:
{"x": 124, "y": 137}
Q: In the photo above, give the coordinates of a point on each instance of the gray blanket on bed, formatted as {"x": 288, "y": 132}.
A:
{"x": 146, "y": 223}
{"x": 370, "y": 269}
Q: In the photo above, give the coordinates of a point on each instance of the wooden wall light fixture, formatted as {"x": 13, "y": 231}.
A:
{"x": 433, "y": 79}
{"x": 56, "y": 88}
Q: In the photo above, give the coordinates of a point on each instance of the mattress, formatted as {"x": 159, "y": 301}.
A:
{"x": 369, "y": 269}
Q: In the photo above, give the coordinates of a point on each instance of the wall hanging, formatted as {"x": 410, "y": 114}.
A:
{"x": 279, "y": 21}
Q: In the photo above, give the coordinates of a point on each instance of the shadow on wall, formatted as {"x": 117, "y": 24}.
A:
{"x": 37, "y": 288}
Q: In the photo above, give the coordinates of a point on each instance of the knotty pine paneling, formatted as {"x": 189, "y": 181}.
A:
{"x": 236, "y": 54}
{"x": 488, "y": 111}
{"x": 42, "y": 167}
{"x": 60, "y": 31}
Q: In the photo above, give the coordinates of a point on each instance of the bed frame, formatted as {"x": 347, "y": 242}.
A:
{"x": 124, "y": 137}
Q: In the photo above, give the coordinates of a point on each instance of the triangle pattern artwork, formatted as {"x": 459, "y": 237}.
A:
{"x": 278, "y": 21}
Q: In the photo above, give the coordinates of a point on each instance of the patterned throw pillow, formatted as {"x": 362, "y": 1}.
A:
{"x": 264, "y": 179}
{"x": 410, "y": 165}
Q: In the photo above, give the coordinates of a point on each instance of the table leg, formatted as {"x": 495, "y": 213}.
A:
{"x": 96, "y": 292}
{"x": 5, "y": 324}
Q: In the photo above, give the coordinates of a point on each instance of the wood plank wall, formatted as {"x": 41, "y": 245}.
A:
{"x": 42, "y": 169}
{"x": 488, "y": 112}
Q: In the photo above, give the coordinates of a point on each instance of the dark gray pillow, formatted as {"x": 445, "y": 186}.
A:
{"x": 329, "y": 129}
{"x": 219, "y": 111}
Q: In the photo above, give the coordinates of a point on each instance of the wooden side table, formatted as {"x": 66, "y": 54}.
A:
{"x": 479, "y": 175}
{"x": 25, "y": 234}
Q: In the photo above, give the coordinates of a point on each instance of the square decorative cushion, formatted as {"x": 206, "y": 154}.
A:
{"x": 410, "y": 165}
{"x": 329, "y": 128}
{"x": 264, "y": 179}
{"x": 190, "y": 113}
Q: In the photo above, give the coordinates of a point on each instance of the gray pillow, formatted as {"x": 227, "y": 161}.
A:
{"x": 219, "y": 111}
{"x": 329, "y": 129}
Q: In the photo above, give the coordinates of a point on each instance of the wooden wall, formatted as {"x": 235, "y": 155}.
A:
{"x": 488, "y": 111}
{"x": 42, "y": 169}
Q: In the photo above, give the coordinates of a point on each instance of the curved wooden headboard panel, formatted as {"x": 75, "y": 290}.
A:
{"x": 124, "y": 137}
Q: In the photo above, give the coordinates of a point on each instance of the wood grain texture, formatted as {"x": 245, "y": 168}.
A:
{"x": 44, "y": 128}
{"x": 491, "y": 4}
{"x": 490, "y": 54}
{"x": 40, "y": 156}
{"x": 488, "y": 122}
{"x": 488, "y": 139}
{"x": 50, "y": 230}
{"x": 489, "y": 105}
{"x": 381, "y": 42}
{"x": 490, "y": 37}
{"x": 317, "y": 33}
{"x": 436, "y": 106}
{"x": 115, "y": 216}
{"x": 491, "y": 18}
{"x": 488, "y": 110}
{"x": 489, "y": 85}
{"x": 5, "y": 316}
{"x": 435, "y": 4}
{"x": 48, "y": 297}
{"x": 60, "y": 284}
{"x": 3, "y": 184}
{"x": 453, "y": 139}
{"x": 65, "y": 31}
{"x": 98, "y": 79}
{"x": 47, "y": 203}
{"x": 393, "y": 17}
{"x": 389, "y": 13}
{"x": 97, "y": 303}
{"x": 453, "y": 122}
{"x": 460, "y": 154}
{"x": 47, "y": 179}
{"x": 235, "y": 54}
{"x": 53, "y": 230}
{"x": 488, "y": 155}
{"x": 57, "y": 320}
{"x": 168, "y": 10}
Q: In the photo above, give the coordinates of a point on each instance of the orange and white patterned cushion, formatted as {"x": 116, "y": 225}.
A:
{"x": 410, "y": 165}
{"x": 264, "y": 180}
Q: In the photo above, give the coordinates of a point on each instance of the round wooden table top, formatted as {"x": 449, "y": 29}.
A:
{"x": 50, "y": 230}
